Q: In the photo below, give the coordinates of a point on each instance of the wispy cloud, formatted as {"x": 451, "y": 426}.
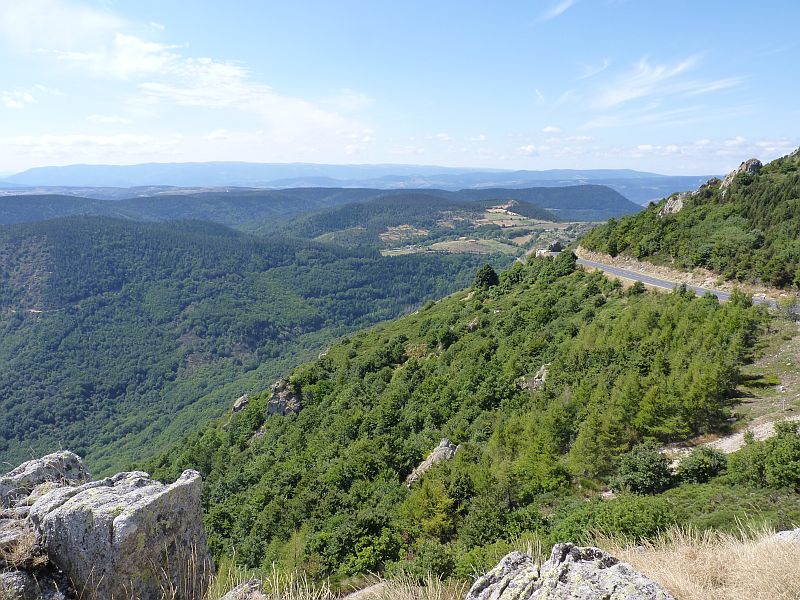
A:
{"x": 557, "y": 10}
{"x": 588, "y": 71}
{"x": 108, "y": 120}
{"x": 647, "y": 80}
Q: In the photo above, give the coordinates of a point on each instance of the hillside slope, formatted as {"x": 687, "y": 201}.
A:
{"x": 746, "y": 228}
{"x": 544, "y": 381}
{"x": 117, "y": 337}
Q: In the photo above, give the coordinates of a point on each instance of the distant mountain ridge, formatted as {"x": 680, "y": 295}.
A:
{"x": 249, "y": 209}
{"x": 637, "y": 186}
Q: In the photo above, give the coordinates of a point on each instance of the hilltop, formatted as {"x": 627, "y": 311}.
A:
{"x": 744, "y": 228}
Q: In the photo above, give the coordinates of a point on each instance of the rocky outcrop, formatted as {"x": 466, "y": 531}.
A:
{"x": 126, "y": 536}
{"x": 250, "y": 590}
{"x": 571, "y": 573}
{"x": 748, "y": 167}
{"x": 535, "y": 382}
{"x": 283, "y": 400}
{"x": 792, "y": 535}
{"x": 241, "y": 403}
{"x": 673, "y": 205}
{"x": 57, "y": 468}
{"x": 446, "y": 450}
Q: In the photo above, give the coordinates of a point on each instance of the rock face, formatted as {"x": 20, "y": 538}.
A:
{"x": 446, "y": 450}
{"x": 792, "y": 535}
{"x": 250, "y": 590}
{"x": 123, "y": 537}
{"x": 749, "y": 167}
{"x": 535, "y": 382}
{"x": 283, "y": 401}
{"x": 240, "y": 404}
{"x": 59, "y": 468}
{"x": 674, "y": 204}
{"x": 571, "y": 573}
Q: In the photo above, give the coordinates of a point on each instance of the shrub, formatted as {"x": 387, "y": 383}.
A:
{"x": 702, "y": 465}
{"x": 644, "y": 470}
{"x": 486, "y": 277}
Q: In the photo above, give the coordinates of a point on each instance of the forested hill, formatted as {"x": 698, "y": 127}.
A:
{"x": 249, "y": 210}
{"x": 118, "y": 337}
{"x": 544, "y": 376}
{"x": 746, "y": 228}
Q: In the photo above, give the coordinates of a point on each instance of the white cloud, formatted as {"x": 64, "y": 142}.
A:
{"x": 16, "y": 99}
{"x": 551, "y": 129}
{"x": 539, "y": 96}
{"x": 126, "y": 56}
{"x": 350, "y": 101}
{"x": 557, "y": 10}
{"x": 72, "y": 148}
{"x": 478, "y": 138}
{"x": 108, "y": 120}
{"x": 36, "y": 25}
{"x": 440, "y": 137}
{"x": 591, "y": 71}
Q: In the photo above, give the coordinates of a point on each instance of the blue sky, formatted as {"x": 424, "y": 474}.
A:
{"x": 679, "y": 87}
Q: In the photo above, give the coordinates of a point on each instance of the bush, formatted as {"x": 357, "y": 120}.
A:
{"x": 702, "y": 465}
{"x": 486, "y": 277}
{"x": 644, "y": 470}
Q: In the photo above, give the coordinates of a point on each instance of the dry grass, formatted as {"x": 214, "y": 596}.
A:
{"x": 750, "y": 564}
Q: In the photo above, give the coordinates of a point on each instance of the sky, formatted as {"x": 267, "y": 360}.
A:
{"x": 679, "y": 87}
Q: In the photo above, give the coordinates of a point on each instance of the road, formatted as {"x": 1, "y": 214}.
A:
{"x": 664, "y": 283}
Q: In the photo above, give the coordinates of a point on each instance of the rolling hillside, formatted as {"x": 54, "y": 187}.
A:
{"x": 116, "y": 337}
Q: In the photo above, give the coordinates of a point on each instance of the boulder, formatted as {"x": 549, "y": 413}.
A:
{"x": 249, "y": 590}
{"x": 21, "y": 585}
{"x": 283, "y": 401}
{"x": 571, "y": 573}
{"x": 127, "y": 536}
{"x": 240, "y": 403}
{"x": 749, "y": 167}
{"x": 792, "y": 535}
{"x": 446, "y": 450}
{"x": 57, "y": 468}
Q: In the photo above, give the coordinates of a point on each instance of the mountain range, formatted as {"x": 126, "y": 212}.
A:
{"x": 640, "y": 187}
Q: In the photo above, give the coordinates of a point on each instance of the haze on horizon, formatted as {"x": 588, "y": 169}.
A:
{"x": 677, "y": 88}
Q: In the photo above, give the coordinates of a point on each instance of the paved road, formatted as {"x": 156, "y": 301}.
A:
{"x": 663, "y": 283}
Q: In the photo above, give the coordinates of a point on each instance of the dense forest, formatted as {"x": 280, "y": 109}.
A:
{"x": 118, "y": 337}
{"x": 747, "y": 232}
{"x": 554, "y": 382}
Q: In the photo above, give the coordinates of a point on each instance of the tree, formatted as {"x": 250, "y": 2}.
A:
{"x": 702, "y": 465}
{"x": 486, "y": 277}
{"x": 644, "y": 470}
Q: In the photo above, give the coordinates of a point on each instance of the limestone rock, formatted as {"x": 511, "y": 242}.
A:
{"x": 21, "y": 585}
{"x": 474, "y": 325}
{"x": 127, "y": 536}
{"x": 792, "y": 535}
{"x": 283, "y": 401}
{"x": 713, "y": 182}
{"x": 60, "y": 467}
{"x": 535, "y": 382}
{"x": 571, "y": 573}
{"x": 241, "y": 402}
{"x": 750, "y": 167}
{"x": 674, "y": 204}
{"x": 250, "y": 590}
{"x": 446, "y": 450}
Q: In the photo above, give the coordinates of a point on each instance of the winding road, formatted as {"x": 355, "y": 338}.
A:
{"x": 664, "y": 283}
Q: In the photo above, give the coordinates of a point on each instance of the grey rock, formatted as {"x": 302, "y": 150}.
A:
{"x": 750, "y": 167}
{"x": 792, "y": 535}
{"x": 127, "y": 536}
{"x": 60, "y": 467}
{"x": 673, "y": 205}
{"x": 283, "y": 401}
{"x": 571, "y": 573}
{"x": 536, "y": 381}
{"x": 241, "y": 403}
{"x": 474, "y": 325}
{"x": 250, "y": 590}
{"x": 446, "y": 450}
{"x": 21, "y": 585}
{"x": 795, "y": 153}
